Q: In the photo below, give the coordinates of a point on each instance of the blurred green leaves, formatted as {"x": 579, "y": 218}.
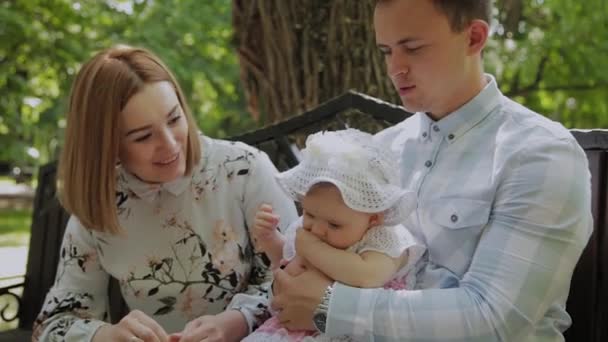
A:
{"x": 551, "y": 55}
{"x": 44, "y": 42}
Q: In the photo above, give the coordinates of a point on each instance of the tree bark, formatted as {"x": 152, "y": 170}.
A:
{"x": 295, "y": 55}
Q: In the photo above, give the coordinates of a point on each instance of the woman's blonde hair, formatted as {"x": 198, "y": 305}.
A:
{"x": 87, "y": 166}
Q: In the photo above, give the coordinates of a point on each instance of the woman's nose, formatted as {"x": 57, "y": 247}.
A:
{"x": 168, "y": 139}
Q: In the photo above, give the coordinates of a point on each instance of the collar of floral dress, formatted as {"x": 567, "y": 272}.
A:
{"x": 150, "y": 192}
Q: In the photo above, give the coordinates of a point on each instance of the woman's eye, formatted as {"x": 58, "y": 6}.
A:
{"x": 175, "y": 119}
{"x": 142, "y": 138}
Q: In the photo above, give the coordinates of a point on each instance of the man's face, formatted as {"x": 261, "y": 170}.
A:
{"x": 427, "y": 62}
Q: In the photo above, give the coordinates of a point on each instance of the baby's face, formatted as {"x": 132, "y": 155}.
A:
{"x": 327, "y": 217}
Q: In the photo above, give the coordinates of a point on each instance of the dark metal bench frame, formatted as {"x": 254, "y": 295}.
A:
{"x": 587, "y": 303}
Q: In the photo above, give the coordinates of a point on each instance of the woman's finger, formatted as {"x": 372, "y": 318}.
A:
{"x": 141, "y": 331}
{"x": 152, "y": 325}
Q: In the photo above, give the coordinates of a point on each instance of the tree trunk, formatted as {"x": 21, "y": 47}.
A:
{"x": 295, "y": 55}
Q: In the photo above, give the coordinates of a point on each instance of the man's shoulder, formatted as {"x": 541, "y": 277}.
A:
{"x": 523, "y": 129}
{"x": 532, "y": 125}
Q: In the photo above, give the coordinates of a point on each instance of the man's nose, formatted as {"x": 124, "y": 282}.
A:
{"x": 397, "y": 65}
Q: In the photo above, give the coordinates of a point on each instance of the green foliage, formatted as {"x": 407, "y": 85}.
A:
{"x": 543, "y": 53}
{"x": 546, "y": 57}
{"x": 44, "y": 42}
{"x": 15, "y": 227}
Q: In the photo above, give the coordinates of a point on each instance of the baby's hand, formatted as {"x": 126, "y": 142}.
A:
{"x": 265, "y": 223}
{"x": 306, "y": 242}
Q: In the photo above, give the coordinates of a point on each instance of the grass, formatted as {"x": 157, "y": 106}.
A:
{"x": 15, "y": 227}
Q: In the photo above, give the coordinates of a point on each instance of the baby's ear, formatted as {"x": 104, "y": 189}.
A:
{"x": 376, "y": 219}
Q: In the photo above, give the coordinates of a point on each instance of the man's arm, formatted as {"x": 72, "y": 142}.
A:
{"x": 540, "y": 223}
{"x": 367, "y": 270}
{"x": 523, "y": 264}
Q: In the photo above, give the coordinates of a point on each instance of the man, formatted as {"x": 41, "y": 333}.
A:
{"x": 504, "y": 198}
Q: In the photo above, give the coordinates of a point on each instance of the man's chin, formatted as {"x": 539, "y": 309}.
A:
{"x": 411, "y": 108}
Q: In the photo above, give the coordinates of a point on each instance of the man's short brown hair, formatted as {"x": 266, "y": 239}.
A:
{"x": 461, "y": 13}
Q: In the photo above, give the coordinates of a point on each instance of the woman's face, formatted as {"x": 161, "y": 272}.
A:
{"x": 154, "y": 134}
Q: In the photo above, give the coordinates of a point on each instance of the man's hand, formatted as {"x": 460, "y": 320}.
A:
{"x": 297, "y": 297}
{"x": 227, "y": 326}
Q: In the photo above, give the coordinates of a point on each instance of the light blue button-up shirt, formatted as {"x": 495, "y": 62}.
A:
{"x": 505, "y": 211}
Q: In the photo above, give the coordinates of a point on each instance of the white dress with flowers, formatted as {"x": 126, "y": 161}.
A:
{"x": 393, "y": 241}
{"x": 186, "y": 251}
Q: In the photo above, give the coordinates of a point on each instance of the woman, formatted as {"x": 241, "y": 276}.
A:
{"x": 161, "y": 208}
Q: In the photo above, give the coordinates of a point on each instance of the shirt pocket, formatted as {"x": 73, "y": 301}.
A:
{"x": 459, "y": 213}
{"x": 454, "y": 228}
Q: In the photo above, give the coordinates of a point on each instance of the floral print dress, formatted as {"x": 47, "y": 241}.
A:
{"x": 186, "y": 250}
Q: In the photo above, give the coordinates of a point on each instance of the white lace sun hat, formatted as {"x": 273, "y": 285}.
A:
{"x": 366, "y": 175}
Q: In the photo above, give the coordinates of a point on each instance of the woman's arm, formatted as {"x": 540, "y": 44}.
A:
{"x": 261, "y": 188}
{"x": 77, "y": 303}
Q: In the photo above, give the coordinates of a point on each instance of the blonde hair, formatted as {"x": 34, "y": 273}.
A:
{"x": 87, "y": 166}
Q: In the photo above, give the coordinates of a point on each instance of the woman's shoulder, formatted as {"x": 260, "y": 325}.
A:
{"x": 223, "y": 150}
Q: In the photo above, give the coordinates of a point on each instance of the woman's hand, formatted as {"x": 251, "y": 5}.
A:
{"x": 227, "y": 326}
{"x": 134, "y": 327}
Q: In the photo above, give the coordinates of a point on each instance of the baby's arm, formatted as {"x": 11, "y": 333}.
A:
{"x": 366, "y": 270}
{"x": 266, "y": 236}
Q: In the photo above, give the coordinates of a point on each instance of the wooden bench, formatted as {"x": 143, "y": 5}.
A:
{"x": 587, "y": 304}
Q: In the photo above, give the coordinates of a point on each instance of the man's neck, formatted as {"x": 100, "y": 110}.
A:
{"x": 474, "y": 85}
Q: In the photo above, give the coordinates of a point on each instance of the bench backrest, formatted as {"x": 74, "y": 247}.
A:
{"x": 589, "y": 285}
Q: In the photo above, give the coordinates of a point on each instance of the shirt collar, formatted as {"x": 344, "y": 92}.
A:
{"x": 150, "y": 191}
{"x": 464, "y": 118}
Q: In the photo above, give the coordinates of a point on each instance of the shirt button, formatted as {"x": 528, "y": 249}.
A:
{"x": 454, "y": 218}
{"x": 424, "y": 135}
{"x": 428, "y": 163}
{"x": 451, "y": 136}
{"x": 436, "y": 128}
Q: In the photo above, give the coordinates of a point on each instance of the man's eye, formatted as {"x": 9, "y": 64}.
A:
{"x": 413, "y": 49}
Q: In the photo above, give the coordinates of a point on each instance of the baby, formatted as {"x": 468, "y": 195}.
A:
{"x": 352, "y": 205}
